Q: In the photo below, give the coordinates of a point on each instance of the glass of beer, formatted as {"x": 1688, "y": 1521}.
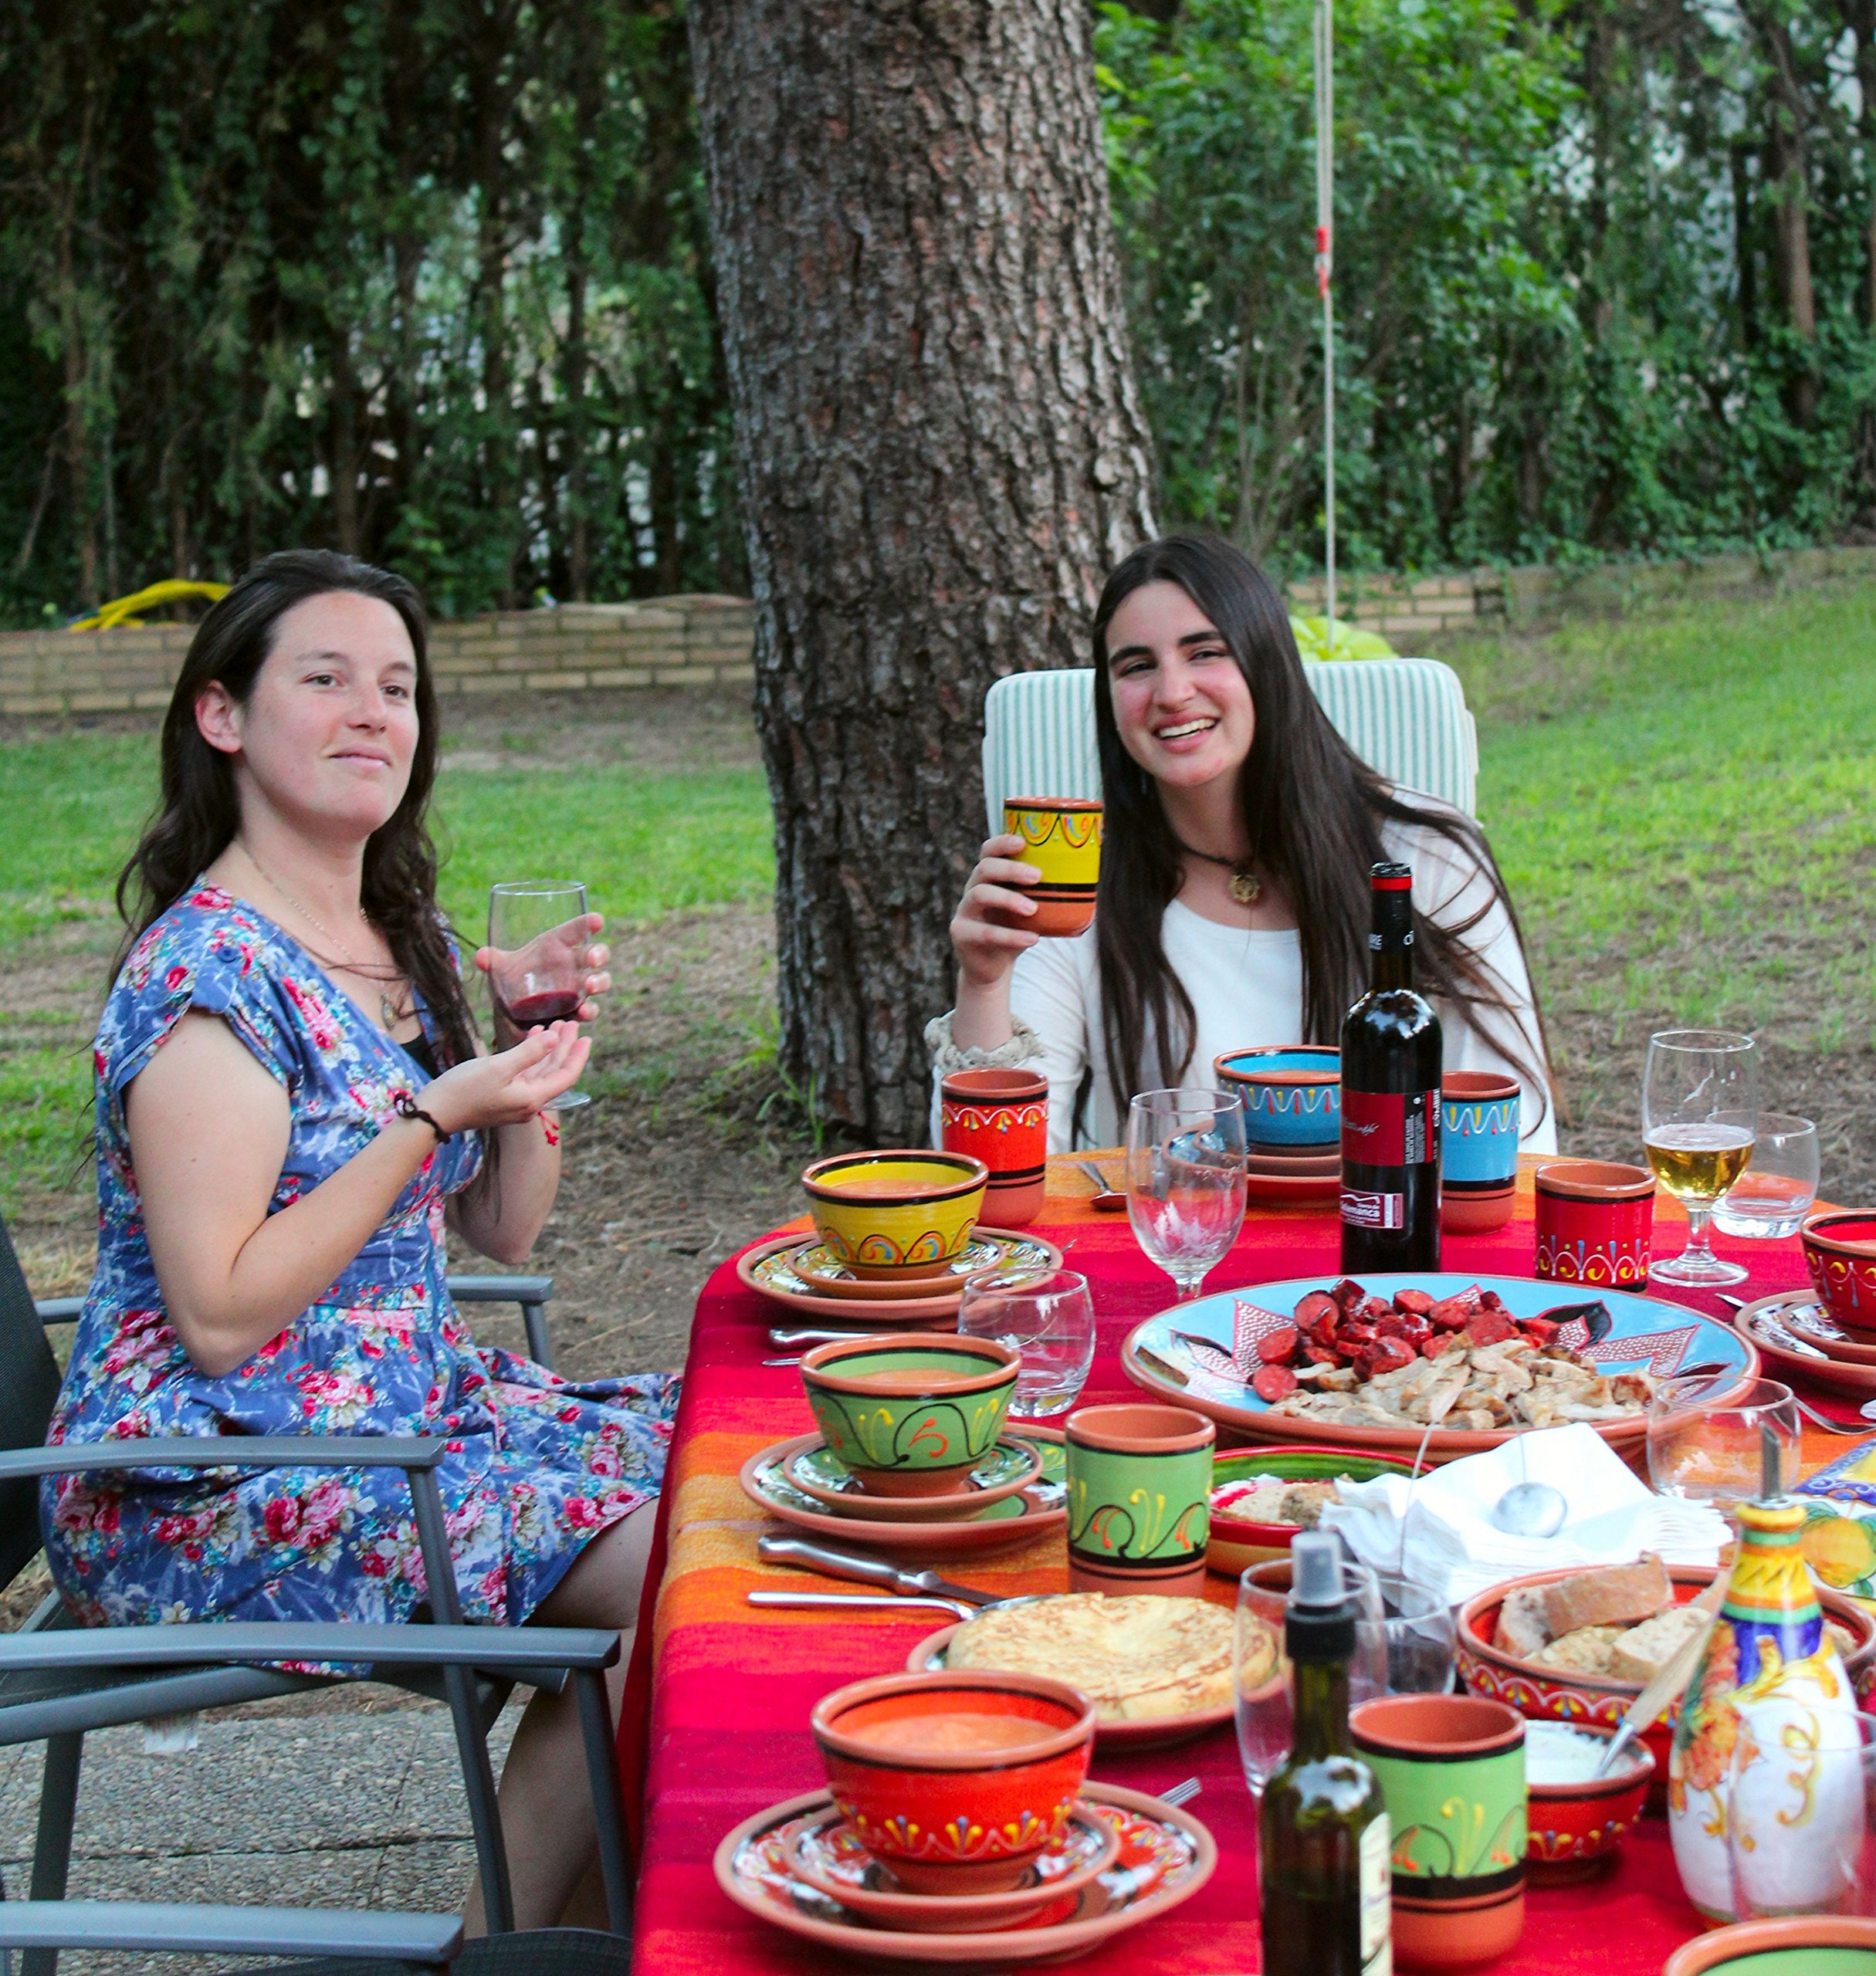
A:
{"x": 1699, "y": 1117}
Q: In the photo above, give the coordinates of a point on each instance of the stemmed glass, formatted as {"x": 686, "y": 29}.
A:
{"x": 1699, "y": 1114}
{"x": 1186, "y": 1179}
{"x": 1047, "y": 1316}
{"x": 537, "y": 928}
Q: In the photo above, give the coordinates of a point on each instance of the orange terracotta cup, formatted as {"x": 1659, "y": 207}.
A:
{"x": 1595, "y": 1223}
{"x": 1061, "y": 838}
{"x": 1001, "y": 1117}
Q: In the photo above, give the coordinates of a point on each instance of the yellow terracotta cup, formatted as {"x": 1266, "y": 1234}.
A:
{"x": 892, "y": 1216}
{"x": 1061, "y": 838}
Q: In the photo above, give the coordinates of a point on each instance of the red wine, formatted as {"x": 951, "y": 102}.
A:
{"x": 535, "y": 1011}
{"x": 1390, "y": 1101}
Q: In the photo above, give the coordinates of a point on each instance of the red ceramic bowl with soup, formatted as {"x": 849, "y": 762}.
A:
{"x": 1840, "y": 1251}
{"x": 955, "y": 1781}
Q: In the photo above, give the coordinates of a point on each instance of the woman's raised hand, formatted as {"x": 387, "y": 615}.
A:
{"x": 593, "y": 960}
{"x": 987, "y": 945}
{"x": 512, "y": 1084}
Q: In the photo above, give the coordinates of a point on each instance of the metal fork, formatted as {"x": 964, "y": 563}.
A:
{"x": 1182, "y": 1794}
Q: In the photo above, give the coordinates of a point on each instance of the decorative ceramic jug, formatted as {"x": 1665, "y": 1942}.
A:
{"x": 1769, "y": 1656}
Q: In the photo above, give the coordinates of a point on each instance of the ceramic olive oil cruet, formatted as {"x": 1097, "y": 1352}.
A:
{"x": 1321, "y": 1829}
{"x": 1768, "y": 1670}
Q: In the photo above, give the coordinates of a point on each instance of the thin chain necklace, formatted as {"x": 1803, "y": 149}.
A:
{"x": 392, "y": 1012}
{"x": 1244, "y": 886}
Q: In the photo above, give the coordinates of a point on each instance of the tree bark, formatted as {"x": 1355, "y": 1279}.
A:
{"x": 941, "y": 453}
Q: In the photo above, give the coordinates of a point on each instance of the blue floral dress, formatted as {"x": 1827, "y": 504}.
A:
{"x": 535, "y": 1467}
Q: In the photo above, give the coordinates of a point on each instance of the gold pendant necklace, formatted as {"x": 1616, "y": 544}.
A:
{"x": 1244, "y": 884}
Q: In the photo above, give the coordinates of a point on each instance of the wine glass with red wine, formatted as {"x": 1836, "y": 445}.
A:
{"x": 537, "y": 928}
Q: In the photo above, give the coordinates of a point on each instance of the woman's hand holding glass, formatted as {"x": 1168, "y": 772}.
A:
{"x": 986, "y": 943}
{"x": 511, "y": 1086}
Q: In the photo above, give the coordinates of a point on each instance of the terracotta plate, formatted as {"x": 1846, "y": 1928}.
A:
{"x": 819, "y": 1268}
{"x": 1162, "y": 1730}
{"x": 829, "y": 1855}
{"x": 1165, "y": 1856}
{"x": 1800, "y": 1312}
{"x": 1788, "y": 1353}
{"x": 1038, "y": 1511}
{"x": 1292, "y": 1189}
{"x": 817, "y": 1472}
{"x": 766, "y": 1269}
{"x": 1647, "y": 1334}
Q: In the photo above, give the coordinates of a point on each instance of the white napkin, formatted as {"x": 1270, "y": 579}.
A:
{"x": 1453, "y": 1549}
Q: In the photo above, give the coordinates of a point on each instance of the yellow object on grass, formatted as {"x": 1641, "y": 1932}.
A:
{"x": 123, "y": 610}
{"x": 1313, "y": 640}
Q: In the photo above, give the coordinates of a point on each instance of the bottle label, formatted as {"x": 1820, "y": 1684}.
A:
{"x": 1390, "y": 1128}
{"x": 1377, "y": 1952}
{"x": 1364, "y": 1210}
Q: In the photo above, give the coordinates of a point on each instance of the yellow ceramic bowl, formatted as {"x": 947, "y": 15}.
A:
{"x": 1061, "y": 838}
{"x": 891, "y": 1216}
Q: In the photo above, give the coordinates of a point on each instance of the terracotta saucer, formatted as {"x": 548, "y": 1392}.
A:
{"x": 1164, "y": 1856}
{"x": 829, "y": 1855}
{"x": 1312, "y": 1168}
{"x": 1803, "y": 1316}
{"x": 1038, "y": 1511}
{"x": 1158, "y": 1733}
{"x": 819, "y": 1269}
{"x": 1788, "y": 1354}
{"x": 1293, "y": 1190}
{"x": 767, "y": 1269}
{"x": 818, "y": 1472}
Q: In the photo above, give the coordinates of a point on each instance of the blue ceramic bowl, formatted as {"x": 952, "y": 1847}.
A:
{"x": 1292, "y": 1092}
{"x": 1479, "y": 1146}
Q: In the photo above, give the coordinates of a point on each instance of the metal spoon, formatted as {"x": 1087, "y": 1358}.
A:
{"x": 1530, "y": 1509}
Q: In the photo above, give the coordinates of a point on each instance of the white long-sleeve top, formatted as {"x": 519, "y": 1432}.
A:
{"x": 1246, "y": 988}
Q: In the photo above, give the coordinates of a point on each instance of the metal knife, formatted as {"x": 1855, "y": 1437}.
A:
{"x": 789, "y": 1340}
{"x": 868, "y": 1570}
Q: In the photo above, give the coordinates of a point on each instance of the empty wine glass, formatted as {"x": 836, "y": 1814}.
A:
{"x": 1047, "y": 1316}
{"x": 538, "y": 930}
{"x": 1699, "y": 1113}
{"x": 1186, "y": 1179}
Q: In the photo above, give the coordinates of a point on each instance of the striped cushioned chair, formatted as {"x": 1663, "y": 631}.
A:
{"x": 1406, "y": 717}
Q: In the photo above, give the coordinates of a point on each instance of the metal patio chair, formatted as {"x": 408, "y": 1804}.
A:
{"x": 58, "y": 1680}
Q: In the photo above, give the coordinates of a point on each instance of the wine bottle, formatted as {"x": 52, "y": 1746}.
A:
{"x": 1390, "y": 1101}
{"x": 1324, "y": 1876}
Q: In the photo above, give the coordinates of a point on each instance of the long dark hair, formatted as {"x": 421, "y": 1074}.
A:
{"x": 200, "y": 808}
{"x": 1313, "y": 812}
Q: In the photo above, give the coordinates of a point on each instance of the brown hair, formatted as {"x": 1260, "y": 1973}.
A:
{"x": 1313, "y": 812}
{"x": 200, "y": 808}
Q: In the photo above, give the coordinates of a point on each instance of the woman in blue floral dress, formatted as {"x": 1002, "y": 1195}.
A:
{"x": 292, "y": 1104}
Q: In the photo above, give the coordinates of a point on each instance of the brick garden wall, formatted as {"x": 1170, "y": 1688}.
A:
{"x": 706, "y": 641}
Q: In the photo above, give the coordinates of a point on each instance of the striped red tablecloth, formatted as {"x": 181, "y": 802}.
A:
{"x": 729, "y": 1687}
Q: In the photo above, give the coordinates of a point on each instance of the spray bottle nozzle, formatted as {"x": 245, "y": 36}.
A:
{"x": 1315, "y": 1570}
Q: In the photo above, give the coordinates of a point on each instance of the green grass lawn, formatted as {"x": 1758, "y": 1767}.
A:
{"x": 1684, "y": 804}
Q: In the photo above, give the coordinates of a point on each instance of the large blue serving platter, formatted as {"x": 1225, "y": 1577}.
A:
{"x": 1646, "y": 1334}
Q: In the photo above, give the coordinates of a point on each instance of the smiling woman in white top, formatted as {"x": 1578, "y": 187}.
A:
{"x": 1234, "y": 901}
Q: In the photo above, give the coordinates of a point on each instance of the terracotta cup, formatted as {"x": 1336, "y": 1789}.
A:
{"x": 1840, "y": 1251}
{"x": 1452, "y": 1768}
{"x": 910, "y": 1412}
{"x": 958, "y": 1820}
{"x": 1595, "y": 1222}
{"x": 1139, "y": 1488}
{"x": 1478, "y": 1150}
{"x": 1001, "y": 1117}
{"x": 1061, "y": 838}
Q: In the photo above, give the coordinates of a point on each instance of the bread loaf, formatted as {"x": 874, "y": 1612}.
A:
{"x": 1617, "y": 1596}
{"x": 1641, "y": 1653}
{"x": 1523, "y": 1631}
{"x": 1587, "y": 1651}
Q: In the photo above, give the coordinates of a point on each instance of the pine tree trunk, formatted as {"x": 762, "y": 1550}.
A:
{"x": 941, "y": 453}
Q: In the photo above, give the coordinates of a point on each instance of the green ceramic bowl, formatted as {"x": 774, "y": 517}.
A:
{"x": 1236, "y": 1541}
{"x": 908, "y": 1413}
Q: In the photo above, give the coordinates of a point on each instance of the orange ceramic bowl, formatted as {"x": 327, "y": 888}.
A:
{"x": 1840, "y": 1251}
{"x": 1556, "y": 1694}
{"x": 955, "y": 1820}
{"x": 1575, "y": 1827}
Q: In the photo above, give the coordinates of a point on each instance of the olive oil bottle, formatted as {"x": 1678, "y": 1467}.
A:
{"x": 1322, "y": 1830}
